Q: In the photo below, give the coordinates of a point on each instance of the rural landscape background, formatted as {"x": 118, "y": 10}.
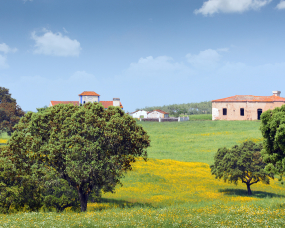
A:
{"x": 172, "y": 55}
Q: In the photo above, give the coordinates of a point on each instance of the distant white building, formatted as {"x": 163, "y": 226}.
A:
{"x": 139, "y": 114}
{"x": 158, "y": 114}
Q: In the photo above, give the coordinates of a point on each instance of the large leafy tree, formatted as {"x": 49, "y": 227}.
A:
{"x": 273, "y": 131}
{"x": 87, "y": 146}
{"x": 243, "y": 162}
{"x": 10, "y": 112}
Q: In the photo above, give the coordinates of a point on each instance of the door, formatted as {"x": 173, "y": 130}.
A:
{"x": 259, "y": 111}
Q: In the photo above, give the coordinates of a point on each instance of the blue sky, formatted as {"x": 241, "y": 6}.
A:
{"x": 146, "y": 52}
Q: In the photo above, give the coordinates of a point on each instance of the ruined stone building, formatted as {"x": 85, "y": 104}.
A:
{"x": 245, "y": 107}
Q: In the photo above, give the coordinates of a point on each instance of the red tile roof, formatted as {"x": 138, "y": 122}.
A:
{"x": 106, "y": 104}
{"x": 251, "y": 98}
{"x": 88, "y": 93}
{"x": 158, "y": 110}
{"x": 64, "y": 102}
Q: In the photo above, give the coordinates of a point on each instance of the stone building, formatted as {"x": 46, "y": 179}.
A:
{"x": 90, "y": 96}
{"x": 245, "y": 107}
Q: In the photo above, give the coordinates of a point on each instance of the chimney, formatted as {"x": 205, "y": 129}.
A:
{"x": 276, "y": 93}
{"x": 116, "y": 102}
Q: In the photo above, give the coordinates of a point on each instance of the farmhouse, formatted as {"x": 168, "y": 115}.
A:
{"x": 245, "y": 107}
{"x": 158, "y": 114}
{"x": 90, "y": 96}
{"x": 139, "y": 114}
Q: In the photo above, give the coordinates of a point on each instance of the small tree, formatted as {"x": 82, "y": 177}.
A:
{"x": 243, "y": 162}
{"x": 273, "y": 131}
{"x": 87, "y": 146}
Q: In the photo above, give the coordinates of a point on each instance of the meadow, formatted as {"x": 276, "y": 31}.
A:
{"x": 175, "y": 188}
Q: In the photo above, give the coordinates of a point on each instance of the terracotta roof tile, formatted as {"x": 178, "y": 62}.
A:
{"x": 251, "y": 98}
{"x": 88, "y": 93}
{"x": 64, "y": 102}
{"x": 106, "y": 104}
{"x": 158, "y": 110}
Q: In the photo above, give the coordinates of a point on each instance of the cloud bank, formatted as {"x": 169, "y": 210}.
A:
{"x": 3, "y": 59}
{"x": 211, "y": 7}
{"x": 55, "y": 44}
{"x": 281, "y": 5}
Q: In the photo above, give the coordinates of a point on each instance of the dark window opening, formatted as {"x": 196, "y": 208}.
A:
{"x": 224, "y": 111}
{"x": 259, "y": 111}
{"x": 242, "y": 111}
{"x": 83, "y": 102}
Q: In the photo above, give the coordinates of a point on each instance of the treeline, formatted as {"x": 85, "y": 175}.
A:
{"x": 204, "y": 107}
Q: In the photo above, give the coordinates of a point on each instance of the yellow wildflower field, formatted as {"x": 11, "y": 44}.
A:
{"x": 169, "y": 182}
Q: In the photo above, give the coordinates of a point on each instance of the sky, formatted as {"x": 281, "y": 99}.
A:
{"x": 145, "y": 52}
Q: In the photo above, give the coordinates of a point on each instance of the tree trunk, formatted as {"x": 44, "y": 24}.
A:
{"x": 83, "y": 197}
{"x": 248, "y": 190}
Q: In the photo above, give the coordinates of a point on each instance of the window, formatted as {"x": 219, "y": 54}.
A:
{"x": 224, "y": 111}
{"x": 83, "y": 102}
{"x": 242, "y": 111}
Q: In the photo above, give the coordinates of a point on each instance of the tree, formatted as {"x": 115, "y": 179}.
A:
{"x": 87, "y": 146}
{"x": 273, "y": 131}
{"x": 10, "y": 112}
{"x": 243, "y": 162}
{"x": 5, "y": 95}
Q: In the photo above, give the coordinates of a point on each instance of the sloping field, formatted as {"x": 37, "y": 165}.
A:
{"x": 177, "y": 192}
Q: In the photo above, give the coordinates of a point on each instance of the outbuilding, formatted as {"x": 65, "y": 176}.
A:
{"x": 158, "y": 114}
{"x": 245, "y": 107}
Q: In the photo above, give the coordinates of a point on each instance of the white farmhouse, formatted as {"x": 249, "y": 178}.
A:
{"x": 139, "y": 114}
{"x": 158, "y": 114}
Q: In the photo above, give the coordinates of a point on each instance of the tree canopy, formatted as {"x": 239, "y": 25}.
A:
{"x": 10, "y": 112}
{"x": 273, "y": 131}
{"x": 189, "y": 108}
{"x": 241, "y": 162}
{"x": 88, "y": 147}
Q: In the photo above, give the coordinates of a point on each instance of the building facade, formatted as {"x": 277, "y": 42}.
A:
{"x": 245, "y": 107}
{"x": 139, "y": 114}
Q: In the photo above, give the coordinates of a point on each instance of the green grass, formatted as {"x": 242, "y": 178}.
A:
{"x": 200, "y": 117}
{"x": 177, "y": 190}
{"x": 197, "y": 141}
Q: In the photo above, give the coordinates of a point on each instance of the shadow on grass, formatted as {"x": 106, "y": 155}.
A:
{"x": 114, "y": 203}
{"x": 243, "y": 192}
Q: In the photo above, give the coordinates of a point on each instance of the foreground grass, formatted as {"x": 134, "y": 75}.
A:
{"x": 219, "y": 216}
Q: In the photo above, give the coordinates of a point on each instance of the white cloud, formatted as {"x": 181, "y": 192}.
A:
{"x": 158, "y": 67}
{"x": 6, "y": 49}
{"x": 3, "y": 63}
{"x": 281, "y": 5}
{"x": 230, "y": 6}
{"x": 55, "y": 44}
{"x": 207, "y": 58}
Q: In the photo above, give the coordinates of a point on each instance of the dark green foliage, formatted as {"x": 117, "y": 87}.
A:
{"x": 85, "y": 147}
{"x": 243, "y": 162}
{"x": 189, "y": 108}
{"x": 10, "y": 112}
{"x": 273, "y": 131}
{"x": 58, "y": 194}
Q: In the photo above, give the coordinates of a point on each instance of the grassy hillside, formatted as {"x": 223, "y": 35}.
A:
{"x": 175, "y": 187}
{"x": 197, "y": 141}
